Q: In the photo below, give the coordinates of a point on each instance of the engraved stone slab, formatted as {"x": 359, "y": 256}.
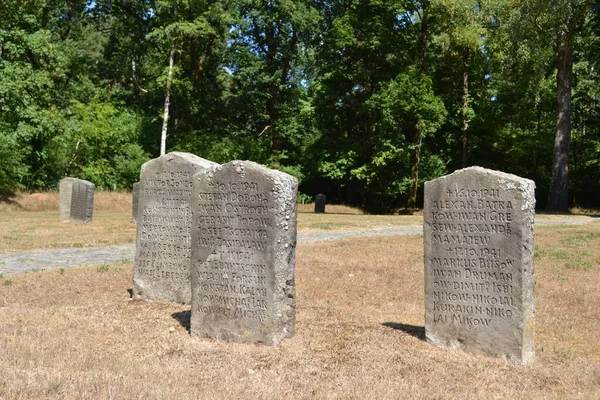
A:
{"x": 65, "y": 192}
{"x": 82, "y": 201}
{"x": 320, "y": 201}
{"x": 479, "y": 272}
{"x": 135, "y": 193}
{"x": 243, "y": 254}
{"x": 164, "y": 222}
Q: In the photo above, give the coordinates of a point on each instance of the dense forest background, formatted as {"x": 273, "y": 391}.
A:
{"x": 361, "y": 100}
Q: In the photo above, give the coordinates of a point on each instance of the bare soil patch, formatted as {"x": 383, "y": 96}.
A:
{"x": 75, "y": 334}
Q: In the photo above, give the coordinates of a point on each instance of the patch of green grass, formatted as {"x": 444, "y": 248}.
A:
{"x": 8, "y": 282}
{"x": 103, "y": 268}
{"x": 61, "y": 271}
{"x": 78, "y": 244}
{"x": 552, "y": 254}
{"x": 583, "y": 265}
{"x": 577, "y": 239}
{"x": 564, "y": 353}
{"x": 324, "y": 226}
{"x": 561, "y": 278}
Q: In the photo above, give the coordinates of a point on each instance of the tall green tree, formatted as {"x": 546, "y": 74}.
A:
{"x": 571, "y": 15}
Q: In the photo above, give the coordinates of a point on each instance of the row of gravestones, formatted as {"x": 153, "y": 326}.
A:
{"x": 222, "y": 237}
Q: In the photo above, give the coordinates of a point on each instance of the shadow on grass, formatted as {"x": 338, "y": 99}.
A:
{"x": 413, "y": 330}
{"x": 183, "y": 317}
{"x": 9, "y": 198}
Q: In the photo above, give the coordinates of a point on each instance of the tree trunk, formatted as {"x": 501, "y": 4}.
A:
{"x": 465, "y": 122}
{"x": 416, "y": 159}
{"x": 163, "y": 135}
{"x": 558, "y": 197}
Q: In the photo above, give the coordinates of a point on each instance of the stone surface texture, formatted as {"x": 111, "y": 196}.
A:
{"x": 65, "y": 191}
{"x": 164, "y": 218}
{"x": 320, "y": 201}
{"x": 243, "y": 254}
{"x": 135, "y": 198}
{"x": 82, "y": 201}
{"x": 479, "y": 271}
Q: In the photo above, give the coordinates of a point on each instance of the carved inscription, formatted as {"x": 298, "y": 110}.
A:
{"x": 165, "y": 226}
{"x": 471, "y": 284}
{"x": 233, "y": 224}
{"x": 243, "y": 248}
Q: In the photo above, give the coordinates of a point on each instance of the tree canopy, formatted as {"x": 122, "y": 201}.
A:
{"x": 361, "y": 100}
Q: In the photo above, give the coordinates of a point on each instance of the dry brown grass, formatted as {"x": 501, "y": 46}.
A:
{"x": 359, "y": 334}
{"x": 338, "y": 217}
{"x": 30, "y": 222}
{"x": 21, "y": 231}
{"x": 48, "y": 201}
{"x": 330, "y": 209}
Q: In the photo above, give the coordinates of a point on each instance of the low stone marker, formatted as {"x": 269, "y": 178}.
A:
{"x": 320, "y": 201}
{"x": 479, "y": 272}
{"x": 162, "y": 253}
{"x": 82, "y": 201}
{"x": 243, "y": 253}
{"x": 65, "y": 191}
{"x": 135, "y": 194}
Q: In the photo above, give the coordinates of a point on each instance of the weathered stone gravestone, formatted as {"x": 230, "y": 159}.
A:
{"x": 82, "y": 201}
{"x": 479, "y": 272}
{"x": 320, "y": 201}
{"x": 135, "y": 194}
{"x": 164, "y": 222}
{"x": 65, "y": 191}
{"x": 243, "y": 254}
{"x": 76, "y": 200}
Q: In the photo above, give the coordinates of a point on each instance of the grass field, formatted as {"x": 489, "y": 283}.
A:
{"x": 74, "y": 333}
{"x": 30, "y": 222}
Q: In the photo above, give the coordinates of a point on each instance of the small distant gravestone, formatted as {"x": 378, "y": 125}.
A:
{"x": 243, "y": 254}
{"x": 82, "y": 201}
{"x": 164, "y": 222}
{"x": 320, "y": 201}
{"x": 135, "y": 193}
{"x": 65, "y": 192}
{"x": 479, "y": 272}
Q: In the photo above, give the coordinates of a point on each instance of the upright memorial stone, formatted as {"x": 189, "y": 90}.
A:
{"x": 320, "y": 201}
{"x": 479, "y": 273}
{"x": 162, "y": 251}
{"x": 82, "y": 201}
{"x": 135, "y": 194}
{"x": 243, "y": 253}
{"x": 65, "y": 191}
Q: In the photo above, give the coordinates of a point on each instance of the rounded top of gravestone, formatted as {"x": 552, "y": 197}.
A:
{"x": 478, "y": 176}
{"x": 476, "y": 170}
{"x": 73, "y": 180}
{"x": 178, "y": 157}
{"x": 242, "y": 166}
{"x": 68, "y": 178}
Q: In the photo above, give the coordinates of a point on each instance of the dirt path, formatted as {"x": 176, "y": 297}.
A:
{"x": 15, "y": 263}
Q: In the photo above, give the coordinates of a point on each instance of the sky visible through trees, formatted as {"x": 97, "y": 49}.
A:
{"x": 361, "y": 100}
